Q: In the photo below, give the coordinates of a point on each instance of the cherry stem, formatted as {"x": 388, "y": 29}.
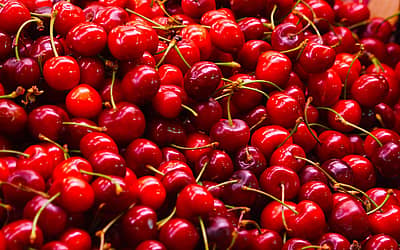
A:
{"x": 389, "y": 193}
{"x": 251, "y": 222}
{"x": 162, "y": 222}
{"x": 102, "y": 233}
{"x": 82, "y": 124}
{"x": 342, "y": 120}
{"x": 167, "y": 50}
{"x": 246, "y": 209}
{"x": 299, "y": 48}
{"x": 118, "y": 188}
{"x": 64, "y": 149}
{"x": 203, "y": 169}
{"x": 356, "y": 25}
{"x": 309, "y": 100}
{"x": 294, "y": 130}
{"x": 272, "y": 16}
{"x": 194, "y": 113}
{"x": 164, "y": 39}
{"x": 283, "y": 209}
{"x": 320, "y": 125}
{"x": 19, "y": 91}
{"x": 114, "y": 74}
{"x": 181, "y": 56}
{"x": 7, "y": 207}
{"x": 256, "y": 90}
{"x": 153, "y": 169}
{"x": 52, "y": 20}
{"x": 246, "y": 188}
{"x": 228, "y": 110}
{"x": 348, "y": 72}
{"x": 166, "y": 12}
{"x": 292, "y": 9}
{"x": 323, "y": 247}
{"x": 232, "y": 64}
{"x": 146, "y": 18}
{"x": 210, "y": 145}
{"x": 33, "y": 235}
{"x": 204, "y": 233}
{"x": 223, "y": 184}
{"x": 310, "y": 8}
{"x": 341, "y": 185}
{"x": 259, "y": 122}
{"x": 222, "y": 96}
{"x": 14, "y": 152}
{"x": 311, "y": 23}
{"x": 375, "y": 61}
{"x": 25, "y": 188}
{"x": 315, "y": 164}
{"x": 16, "y": 39}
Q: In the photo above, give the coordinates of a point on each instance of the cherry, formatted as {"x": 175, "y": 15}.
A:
{"x": 208, "y": 112}
{"x": 54, "y": 245}
{"x": 167, "y": 103}
{"x": 67, "y": 16}
{"x": 6, "y": 47}
{"x": 381, "y": 221}
{"x": 250, "y": 158}
{"x": 324, "y": 14}
{"x": 381, "y": 241}
{"x": 252, "y": 28}
{"x": 266, "y": 239}
{"x": 350, "y": 110}
{"x": 170, "y": 154}
{"x": 195, "y": 9}
{"x": 334, "y": 241}
{"x": 17, "y": 235}
{"x": 124, "y": 123}
{"x": 170, "y": 75}
{"x": 311, "y": 173}
{"x": 12, "y": 15}
{"x": 61, "y": 73}
{"x": 52, "y": 220}
{"x": 219, "y": 35}
{"x": 141, "y": 222}
{"x": 212, "y": 16}
{"x": 349, "y": 219}
{"x": 220, "y": 232}
{"x": 283, "y": 110}
{"x": 151, "y": 192}
{"x": 231, "y": 134}
{"x": 194, "y": 200}
{"x": 271, "y": 215}
{"x": 369, "y": 89}
{"x": 151, "y": 245}
{"x": 38, "y": 160}
{"x": 317, "y": 58}
{"x": 371, "y": 146}
{"x": 77, "y": 128}
{"x": 97, "y": 141}
{"x": 108, "y": 163}
{"x": 165, "y": 132}
{"x": 86, "y": 39}
{"x": 325, "y": 88}
{"x": 333, "y": 145}
{"x": 175, "y": 180}
{"x": 249, "y": 53}
{"x": 274, "y": 67}
{"x": 126, "y": 42}
{"x": 13, "y": 118}
{"x": 140, "y": 153}
{"x": 268, "y": 138}
{"x": 91, "y": 71}
{"x": 83, "y": 101}
{"x": 23, "y": 72}
{"x": 287, "y": 36}
{"x": 41, "y": 49}
{"x": 379, "y": 195}
{"x": 76, "y": 195}
{"x": 234, "y": 194}
{"x": 179, "y": 234}
{"x": 378, "y": 28}
{"x": 279, "y": 181}
{"x": 392, "y": 50}
{"x": 295, "y": 243}
{"x": 111, "y": 17}
{"x": 386, "y": 159}
{"x": 76, "y": 238}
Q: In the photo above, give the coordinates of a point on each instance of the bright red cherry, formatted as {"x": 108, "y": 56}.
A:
{"x": 126, "y": 42}
{"x": 227, "y": 36}
{"x": 179, "y": 234}
{"x": 83, "y": 101}
{"x": 61, "y": 73}
{"x": 87, "y": 39}
{"x": 274, "y": 67}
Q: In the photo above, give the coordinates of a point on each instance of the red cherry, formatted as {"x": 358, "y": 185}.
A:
{"x": 140, "y": 153}
{"x": 61, "y": 73}
{"x": 68, "y": 15}
{"x": 12, "y": 15}
{"x": 286, "y": 156}
{"x": 97, "y": 141}
{"x": 170, "y": 75}
{"x": 386, "y": 221}
{"x": 334, "y": 240}
{"x": 381, "y": 241}
{"x": 179, "y": 234}
{"x": 72, "y": 167}
{"x": 333, "y": 145}
{"x": 231, "y": 135}
{"x": 83, "y": 101}
{"x": 234, "y": 193}
{"x": 108, "y": 163}
{"x": 268, "y": 138}
{"x": 274, "y": 67}
{"x": 364, "y": 176}
{"x": 126, "y": 42}
{"x": 317, "y": 58}
{"x": 371, "y": 146}
{"x": 196, "y": 9}
{"x": 317, "y": 192}
{"x": 151, "y": 192}
{"x": 17, "y": 235}
{"x": 227, "y": 36}
{"x": 283, "y": 110}
{"x": 151, "y": 245}
{"x": 86, "y": 39}
{"x": 110, "y": 17}
{"x": 218, "y": 166}
{"x": 350, "y": 110}
{"x": 369, "y": 89}
{"x": 249, "y": 53}
{"x": 193, "y": 201}
{"x": 13, "y": 118}
{"x": 250, "y": 158}
{"x": 325, "y": 88}
{"x": 77, "y": 239}
{"x": 272, "y": 179}
{"x": 92, "y": 71}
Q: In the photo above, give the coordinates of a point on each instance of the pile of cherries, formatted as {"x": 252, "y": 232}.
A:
{"x": 198, "y": 124}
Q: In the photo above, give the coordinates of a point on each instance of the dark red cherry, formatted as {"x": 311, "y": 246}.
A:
{"x": 140, "y": 153}
{"x": 194, "y": 200}
{"x": 13, "y": 118}
{"x": 369, "y": 89}
{"x": 165, "y": 132}
{"x": 110, "y": 17}
{"x": 231, "y": 135}
{"x": 250, "y": 158}
{"x": 196, "y": 9}
{"x": 371, "y": 146}
{"x": 41, "y": 49}
{"x": 295, "y": 244}
{"x": 287, "y": 36}
{"x": 381, "y": 241}
{"x": 274, "y": 67}
{"x": 179, "y": 234}
{"x": 23, "y": 72}
{"x": 6, "y": 47}
{"x": 252, "y": 28}
{"x": 325, "y": 88}
{"x": 386, "y": 159}
{"x": 17, "y": 235}
{"x": 333, "y": 145}
{"x": 311, "y": 173}
{"x": 317, "y": 58}
{"x": 334, "y": 241}
{"x": 126, "y": 42}
{"x": 234, "y": 193}
{"x": 151, "y": 245}
{"x": 317, "y": 192}
{"x": 208, "y": 112}
{"x": 272, "y": 179}
{"x": 220, "y": 232}
{"x": 218, "y": 166}
{"x": 286, "y": 156}
{"x": 249, "y": 53}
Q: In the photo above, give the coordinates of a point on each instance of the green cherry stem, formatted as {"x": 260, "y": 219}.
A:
{"x": 118, "y": 188}
{"x": 16, "y": 40}
{"x": 232, "y": 64}
{"x": 315, "y": 164}
{"x": 341, "y": 185}
{"x": 47, "y": 139}
{"x": 146, "y": 18}
{"x": 272, "y": 16}
{"x": 309, "y": 100}
{"x": 228, "y": 110}
{"x": 204, "y": 233}
{"x": 348, "y": 72}
{"x": 342, "y": 120}
{"x": 18, "y": 92}
{"x": 283, "y": 210}
{"x": 171, "y": 45}
{"x": 52, "y": 20}
{"x": 388, "y": 194}
{"x": 102, "y": 233}
{"x": 194, "y": 113}
{"x": 162, "y": 222}
{"x": 32, "y": 236}
{"x": 246, "y": 188}
{"x": 153, "y": 169}
{"x": 114, "y": 74}
{"x": 223, "y": 184}
{"x": 203, "y": 169}
{"x": 294, "y": 130}
{"x": 182, "y": 57}
{"x": 10, "y": 151}
{"x": 81, "y": 124}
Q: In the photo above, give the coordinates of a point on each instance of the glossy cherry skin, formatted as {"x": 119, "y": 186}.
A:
{"x": 230, "y": 136}
{"x": 175, "y": 180}
{"x": 92, "y": 71}
{"x": 87, "y": 39}
{"x": 234, "y": 194}
{"x": 151, "y": 245}
{"x": 108, "y": 163}
{"x": 383, "y": 135}
{"x": 179, "y": 234}
{"x": 39, "y": 161}
{"x": 208, "y": 112}
{"x": 287, "y": 36}
{"x": 72, "y": 167}
{"x": 12, "y": 15}
{"x": 111, "y": 17}
{"x": 76, "y": 195}
{"x": 227, "y": 36}
{"x": 347, "y": 74}
{"x": 126, "y": 42}
{"x": 61, "y": 73}
{"x": 333, "y": 145}
{"x": 369, "y": 89}
{"x": 268, "y": 138}
{"x": 68, "y": 15}
{"x": 339, "y": 170}
{"x": 139, "y": 221}
{"x": 220, "y": 232}
{"x": 28, "y": 178}
{"x": 334, "y": 241}
{"x": 325, "y": 88}
{"x": 249, "y": 53}
{"x": 364, "y": 176}
{"x": 386, "y": 159}
{"x": 283, "y": 110}
{"x": 17, "y": 235}
{"x": 349, "y": 218}
{"x": 41, "y": 49}
{"x": 381, "y": 222}
{"x": 218, "y": 164}
{"x": 317, "y": 192}
{"x": 23, "y": 72}
{"x": 144, "y": 78}
{"x": 196, "y": 9}
{"x": 170, "y": 75}
{"x": 142, "y": 152}
{"x": 212, "y": 16}
{"x": 381, "y": 241}
{"x": 13, "y": 118}
{"x": 274, "y": 67}
{"x": 311, "y": 173}
{"x": 202, "y": 80}
{"x": 164, "y": 132}
{"x": 267, "y": 239}
{"x": 379, "y": 195}
{"x": 317, "y": 58}
{"x": 252, "y": 28}
{"x": 52, "y": 220}
{"x": 350, "y": 110}
{"x": 124, "y": 124}
{"x": 272, "y": 179}
{"x": 271, "y": 215}
{"x": 309, "y": 223}
{"x": 76, "y": 238}
{"x": 295, "y": 244}
{"x": 250, "y": 158}
{"x": 151, "y": 192}
{"x": 286, "y": 156}
{"x": 193, "y": 201}
{"x": 83, "y": 101}
{"x": 97, "y": 141}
